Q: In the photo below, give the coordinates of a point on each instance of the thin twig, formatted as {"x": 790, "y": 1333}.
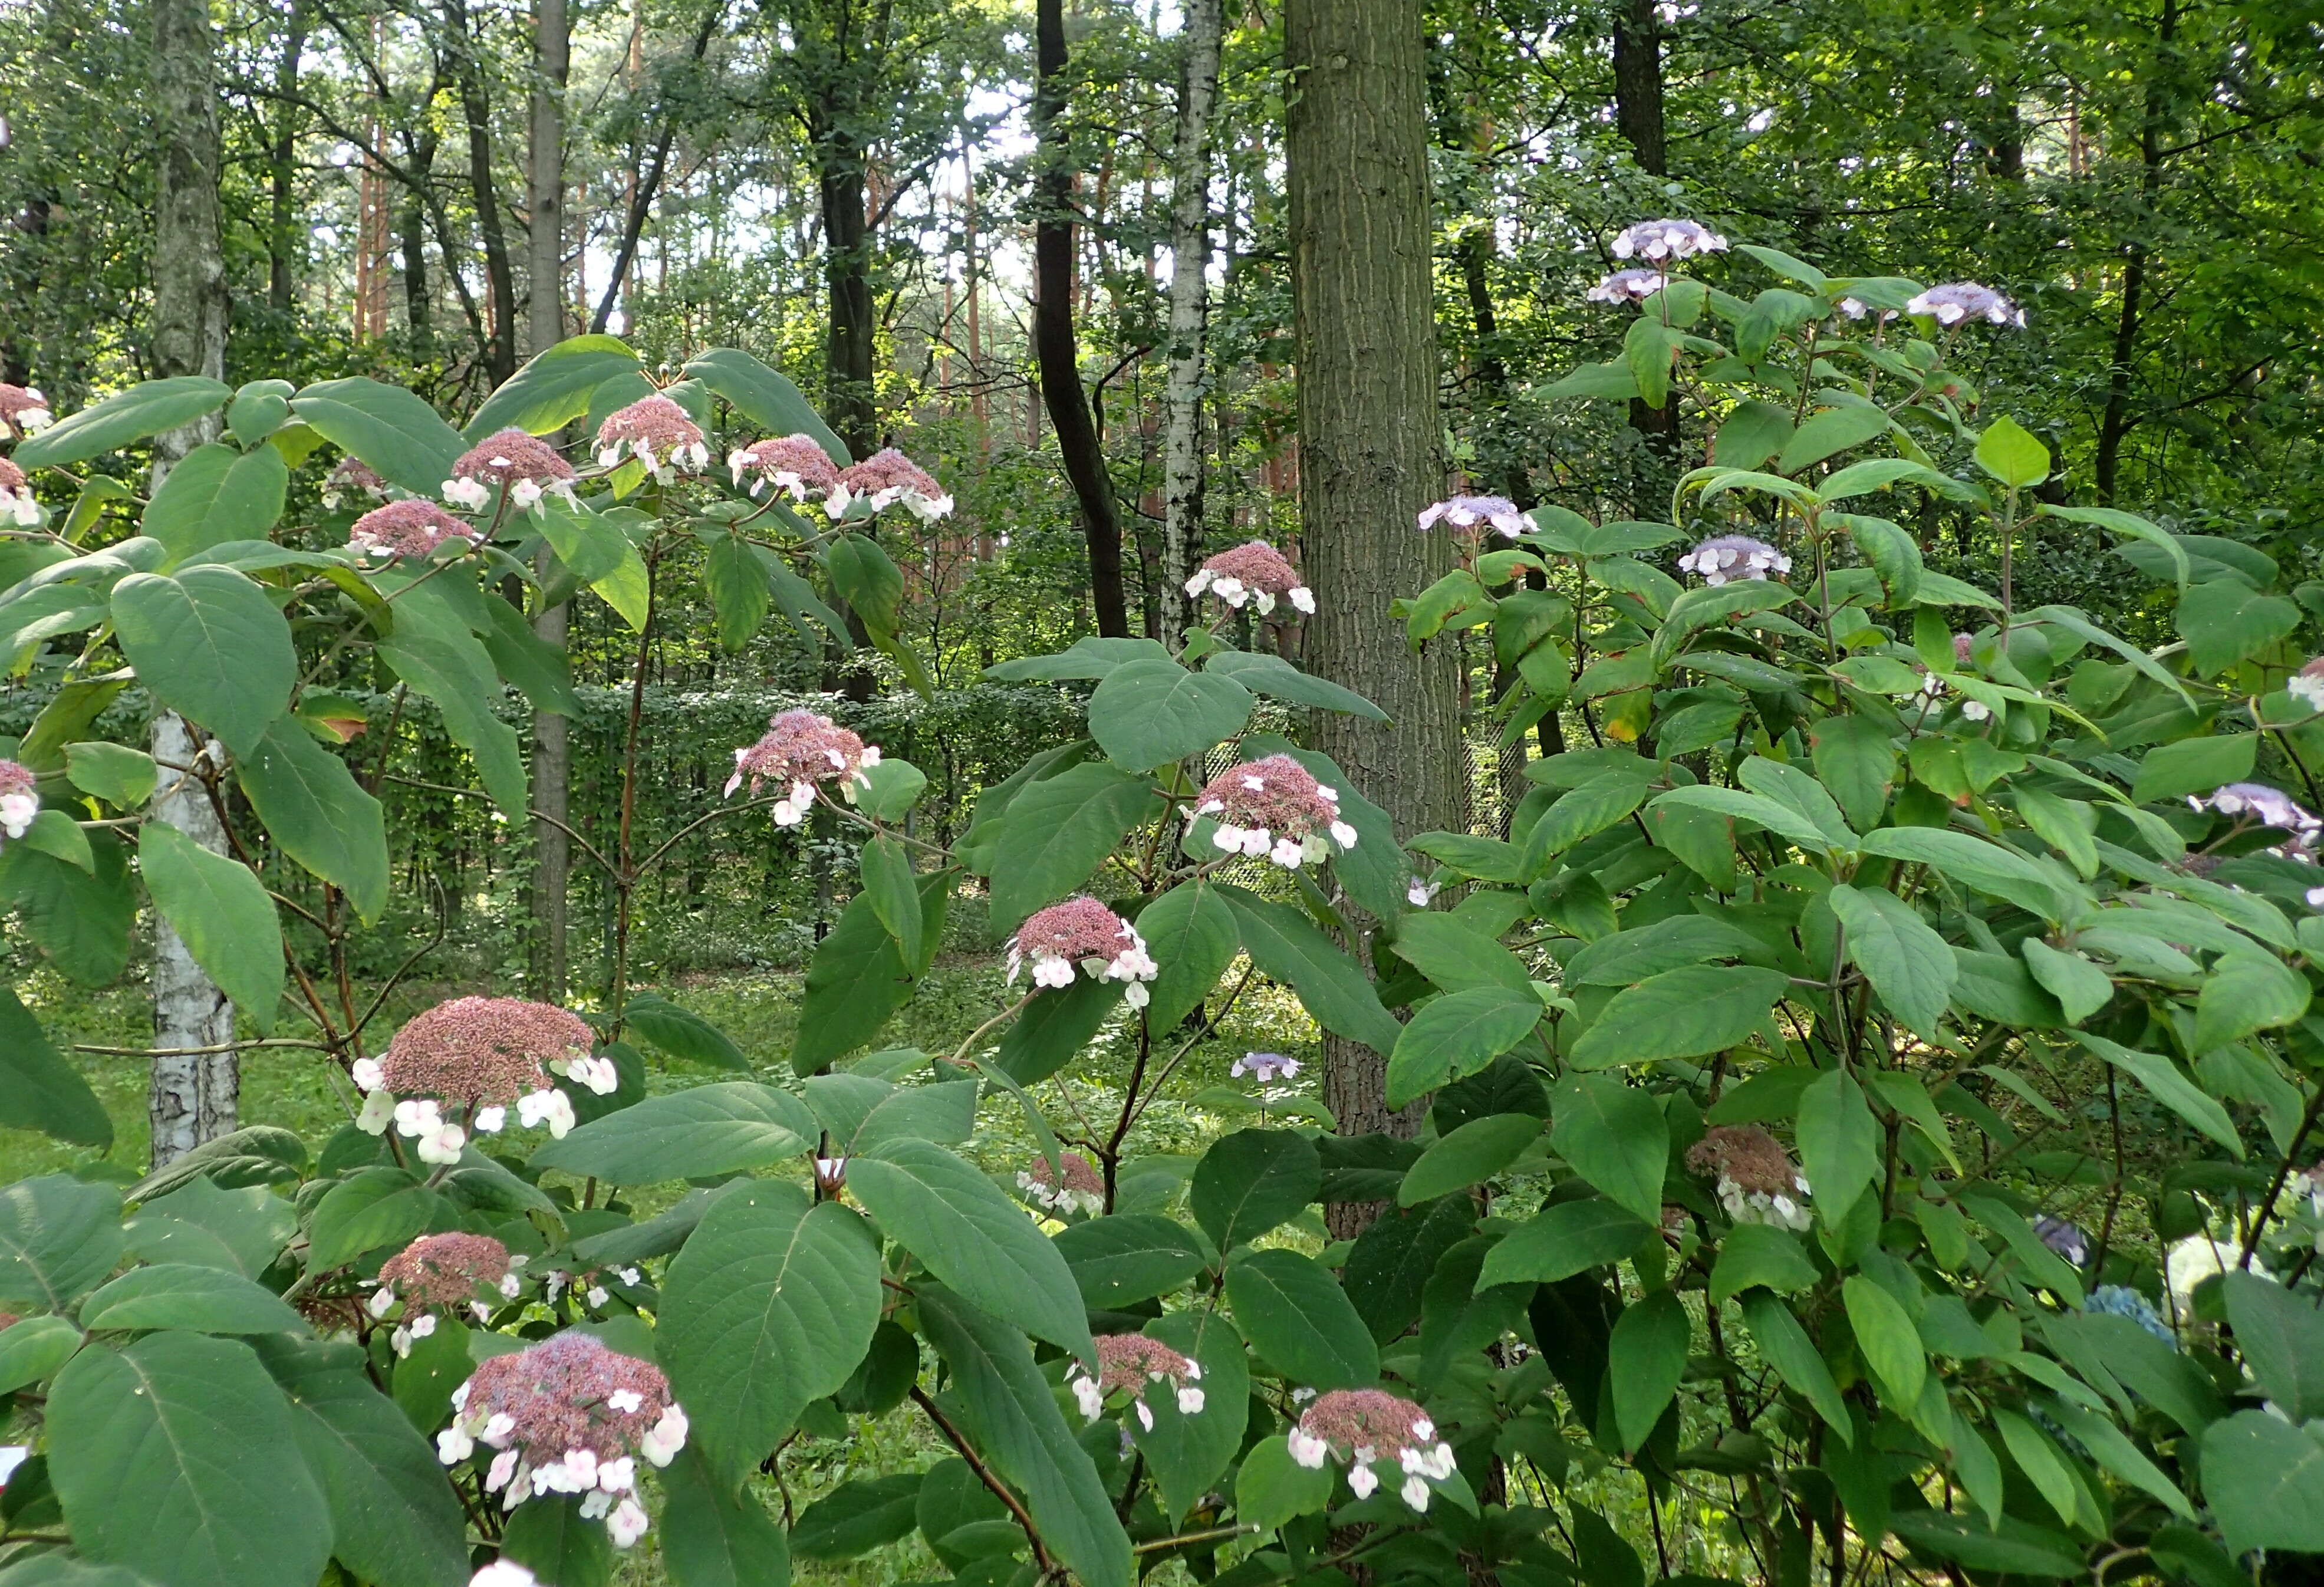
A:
{"x": 984, "y": 1474}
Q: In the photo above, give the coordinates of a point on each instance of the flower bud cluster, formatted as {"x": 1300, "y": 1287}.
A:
{"x": 1126, "y": 1364}
{"x": 408, "y": 529}
{"x": 1255, "y": 572}
{"x": 1468, "y": 512}
{"x": 476, "y": 1056}
{"x": 527, "y": 466}
{"x": 1657, "y": 240}
{"x": 1361, "y": 1425}
{"x": 18, "y": 802}
{"x": 442, "y": 1271}
{"x": 802, "y": 749}
{"x": 1958, "y": 302}
{"x": 1730, "y": 556}
{"x": 795, "y": 464}
{"x": 1273, "y": 807}
{"x": 888, "y": 479}
{"x": 1758, "y": 1183}
{"x": 657, "y": 433}
{"x": 23, "y": 411}
{"x": 17, "y": 503}
{"x": 1083, "y": 931}
{"x": 567, "y": 1415}
{"x": 1077, "y": 1190}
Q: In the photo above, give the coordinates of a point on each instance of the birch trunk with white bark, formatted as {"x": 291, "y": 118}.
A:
{"x": 1182, "y": 474}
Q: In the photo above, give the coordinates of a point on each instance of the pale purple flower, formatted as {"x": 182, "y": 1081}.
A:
{"x": 1265, "y": 1067}
{"x": 1628, "y": 286}
{"x": 2066, "y": 1239}
{"x": 1465, "y": 512}
{"x": 1957, "y": 302}
{"x": 1657, "y": 240}
{"x": 1732, "y": 557}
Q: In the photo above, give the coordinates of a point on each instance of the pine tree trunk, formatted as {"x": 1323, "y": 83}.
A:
{"x": 1357, "y": 143}
{"x": 1182, "y": 474}
{"x": 1056, "y": 350}
{"x": 545, "y": 187}
{"x": 192, "y": 1097}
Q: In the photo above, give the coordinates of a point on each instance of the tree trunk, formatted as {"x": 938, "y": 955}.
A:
{"x": 545, "y": 187}
{"x": 1056, "y": 352}
{"x": 192, "y": 1097}
{"x": 2117, "y": 422}
{"x": 282, "y": 249}
{"x": 1356, "y": 145}
{"x": 849, "y": 324}
{"x": 552, "y": 850}
{"x": 1638, "y": 117}
{"x": 1182, "y": 474}
{"x": 500, "y": 279}
{"x": 411, "y": 227}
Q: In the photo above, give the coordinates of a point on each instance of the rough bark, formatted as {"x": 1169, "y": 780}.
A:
{"x": 1638, "y": 117}
{"x": 1357, "y": 142}
{"x": 1183, "y": 473}
{"x": 499, "y": 348}
{"x": 412, "y": 230}
{"x": 1056, "y": 350}
{"x": 2117, "y": 422}
{"x": 552, "y": 850}
{"x": 850, "y": 327}
{"x": 545, "y": 184}
{"x": 192, "y": 1097}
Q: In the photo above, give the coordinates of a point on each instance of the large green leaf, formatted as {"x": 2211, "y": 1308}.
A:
{"x": 181, "y": 1295}
{"x": 1839, "y": 1143}
{"x": 394, "y": 1519}
{"x": 1568, "y": 1238}
{"x": 1287, "y": 946}
{"x": 1774, "y": 814}
{"x": 1253, "y": 1181}
{"x": 740, "y": 594}
{"x": 449, "y": 666}
{"x": 858, "y": 1517}
{"x": 548, "y": 1536}
{"x": 769, "y": 1306}
{"x": 1583, "y": 812}
{"x": 1788, "y": 1348}
{"x": 868, "y": 579}
{"x": 393, "y": 430}
{"x": 1389, "y": 1268}
{"x": 1645, "y": 1361}
{"x": 1760, "y": 1255}
{"x": 1148, "y": 712}
{"x": 2264, "y": 1479}
{"x": 313, "y": 807}
{"x": 765, "y": 397}
{"x": 858, "y": 977}
{"x": 149, "y": 407}
{"x": 681, "y": 1032}
{"x": 38, "y": 1089}
{"x": 1908, "y": 964}
{"x": 2008, "y": 451}
{"x": 1190, "y": 933}
{"x": 1279, "y": 679}
{"x": 1057, "y": 1028}
{"x": 207, "y": 642}
{"x": 379, "y": 1206}
{"x": 1060, "y": 830}
{"x": 1680, "y": 1013}
{"x": 178, "y": 1457}
{"x": 222, "y": 913}
{"x": 2012, "y": 1548}
{"x": 2174, "y": 1090}
{"x": 1296, "y": 1315}
{"x": 1891, "y": 1345}
{"x": 1472, "y": 1154}
{"x": 1456, "y": 1036}
{"x": 1827, "y": 431}
{"x": 1988, "y": 867}
{"x": 241, "y": 1231}
{"x": 2281, "y": 1337}
{"x": 1009, "y": 1409}
{"x": 81, "y": 918}
{"x": 1089, "y": 657}
{"x": 2246, "y": 992}
{"x": 1457, "y": 956}
{"x": 2225, "y": 621}
{"x": 58, "y": 1237}
{"x": 714, "y": 1536}
{"x": 1616, "y": 1137}
{"x": 215, "y": 495}
{"x": 972, "y": 1237}
{"x": 553, "y": 389}
{"x": 702, "y": 1131}
{"x": 1129, "y": 1256}
{"x": 1189, "y": 1454}
{"x": 888, "y": 882}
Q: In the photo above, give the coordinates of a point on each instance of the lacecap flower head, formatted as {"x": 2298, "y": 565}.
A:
{"x": 801, "y": 749}
{"x": 17, "y": 503}
{"x": 25, "y": 410}
{"x": 1628, "y": 286}
{"x": 1657, "y": 240}
{"x": 1958, "y": 302}
{"x": 2264, "y": 806}
{"x": 440, "y": 1272}
{"x": 795, "y": 464}
{"x": 18, "y": 802}
{"x": 1077, "y": 1189}
{"x": 567, "y": 1415}
{"x": 353, "y": 476}
{"x": 1364, "y": 1425}
{"x": 527, "y": 466}
{"x": 1757, "y": 1181}
{"x": 408, "y": 529}
{"x": 1083, "y": 931}
{"x": 1273, "y": 807}
{"x": 1467, "y": 511}
{"x": 657, "y": 433}
{"x": 477, "y": 1056}
{"x": 2306, "y": 686}
{"x": 1730, "y": 556}
{"x": 1266, "y": 1068}
{"x": 1126, "y": 1364}
{"x": 1256, "y": 572}
{"x": 886, "y": 478}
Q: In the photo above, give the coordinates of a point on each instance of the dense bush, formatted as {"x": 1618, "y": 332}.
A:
{"x": 1870, "y": 1081}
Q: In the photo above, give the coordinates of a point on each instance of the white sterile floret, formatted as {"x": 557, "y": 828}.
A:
{"x": 665, "y": 1438}
{"x": 378, "y": 1111}
{"x": 454, "y": 1445}
{"x": 1415, "y": 1493}
{"x": 368, "y": 1074}
{"x": 491, "y": 1121}
{"x": 1975, "y": 711}
{"x": 1420, "y": 894}
{"x": 1362, "y": 1481}
{"x": 552, "y": 1108}
{"x": 1190, "y": 1402}
{"x": 618, "y": 1475}
{"x": 502, "y": 1469}
{"x": 468, "y": 493}
{"x": 1307, "y": 1450}
{"x": 627, "y": 1523}
{"x": 597, "y": 1295}
{"x": 503, "y": 1573}
{"x": 381, "y": 1301}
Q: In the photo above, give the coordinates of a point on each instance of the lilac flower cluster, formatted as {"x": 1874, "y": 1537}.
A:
{"x": 1958, "y": 302}
{"x": 1628, "y": 286}
{"x": 1467, "y": 511}
{"x": 1733, "y": 557}
{"x": 1657, "y": 240}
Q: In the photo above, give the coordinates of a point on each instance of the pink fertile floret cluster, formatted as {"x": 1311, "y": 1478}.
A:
{"x": 568, "y": 1416}
{"x": 1082, "y": 932}
{"x": 23, "y": 410}
{"x": 1255, "y": 572}
{"x": 527, "y": 465}
{"x": 885, "y": 478}
{"x": 657, "y": 433}
{"x": 1079, "y": 1189}
{"x": 1126, "y": 1364}
{"x": 17, "y": 503}
{"x": 479, "y": 1054}
{"x": 1273, "y": 807}
{"x": 1361, "y": 1425}
{"x": 352, "y": 477}
{"x": 802, "y": 749}
{"x": 18, "y": 802}
{"x": 407, "y": 529}
{"x": 796, "y": 464}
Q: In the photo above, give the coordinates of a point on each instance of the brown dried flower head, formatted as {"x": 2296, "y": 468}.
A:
{"x": 445, "y": 1269}
{"x": 407, "y": 529}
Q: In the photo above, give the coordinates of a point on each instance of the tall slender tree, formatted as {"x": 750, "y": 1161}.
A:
{"x": 1369, "y": 458}
{"x": 1183, "y": 472}
{"x": 552, "y": 754}
{"x": 196, "y": 1076}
